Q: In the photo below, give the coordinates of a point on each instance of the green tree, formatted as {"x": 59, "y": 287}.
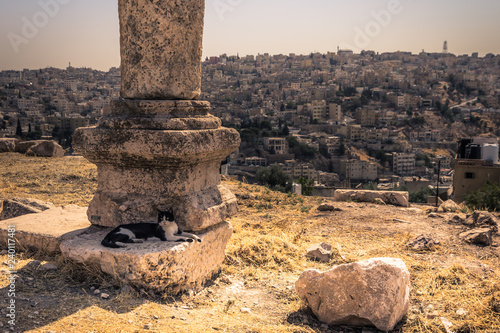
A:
{"x": 487, "y": 197}
{"x": 19, "y": 130}
{"x": 275, "y": 178}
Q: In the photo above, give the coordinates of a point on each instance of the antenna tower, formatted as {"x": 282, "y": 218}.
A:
{"x": 445, "y": 47}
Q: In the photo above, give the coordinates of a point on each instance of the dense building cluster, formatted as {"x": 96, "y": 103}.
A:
{"x": 336, "y": 118}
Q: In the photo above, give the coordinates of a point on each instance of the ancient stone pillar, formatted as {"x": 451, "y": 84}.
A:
{"x": 158, "y": 148}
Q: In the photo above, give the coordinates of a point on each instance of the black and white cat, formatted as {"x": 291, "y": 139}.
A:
{"x": 166, "y": 229}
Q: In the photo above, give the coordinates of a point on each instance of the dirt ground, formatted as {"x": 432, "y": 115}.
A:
{"x": 254, "y": 291}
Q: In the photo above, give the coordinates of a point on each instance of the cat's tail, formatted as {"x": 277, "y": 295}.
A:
{"x": 107, "y": 243}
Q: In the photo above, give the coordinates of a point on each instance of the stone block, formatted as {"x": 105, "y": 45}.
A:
{"x": 396, "y": 198}
{"x": 480, "y": 236}
{"x": 11, "y": 208}
{"x": 372, "y": 292}
{"x": 46, "y": 230}
{"x": 161, "y": 48}
{"x": 8, "y": 145}
{"x": 155, "y": 265}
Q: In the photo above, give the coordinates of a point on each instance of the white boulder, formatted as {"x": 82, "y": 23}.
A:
{"x": 396, "y": 198}
{"x": 372, "y": 292}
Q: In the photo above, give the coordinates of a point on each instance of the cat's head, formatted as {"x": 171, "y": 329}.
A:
{"x": 165, "y": 218}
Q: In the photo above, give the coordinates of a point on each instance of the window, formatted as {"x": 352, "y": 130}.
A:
{"x": 470, "y": 175}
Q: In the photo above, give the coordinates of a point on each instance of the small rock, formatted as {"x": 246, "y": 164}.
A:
{"x": 245, "y": 310}
{"x": 321, "y": 252}
{"x": 432, "y": 315}
{"x": 92, "y": 288}
{"x": 423, "y": 243}
{"x": 48, "y": 267}
{"x": 449, "y": 206}
{"x": 148, "y": 326}
{"x": 482, "y": 236}
{"x": 447, "y": 324}
{"x": 462, "y": 312}
{"x": 156, "y": 317}
{"x": 435, "y": 216}
{"x": 126, "y": 289}
{"x": 104, "y": 295}
{"x": 379, "y": 201}
{"x": 326, "y": 208}
{"x": 4, "y": 252}
{"x": 97, "y": 291}
{"x": 33, "y": 264}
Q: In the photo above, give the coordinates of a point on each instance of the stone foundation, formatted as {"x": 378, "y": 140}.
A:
{"x": 171, "y": 267}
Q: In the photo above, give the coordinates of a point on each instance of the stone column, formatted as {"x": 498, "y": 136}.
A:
{"x": 159, "y": 148}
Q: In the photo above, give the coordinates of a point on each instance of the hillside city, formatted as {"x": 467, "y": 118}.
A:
{"x": 377, "y": 120}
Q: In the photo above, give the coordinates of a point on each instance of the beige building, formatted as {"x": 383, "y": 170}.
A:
{"x": 366, "y": 117}
{"x": 297, "y": 170}
{"x": 276, "y": 145}
{"x": 471, "y": 175}
{"x": 335, "y": 112}
{"x": 358, "y": 170}
{"x": 404, "y": 164}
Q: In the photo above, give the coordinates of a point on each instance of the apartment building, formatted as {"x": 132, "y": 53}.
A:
{"x": 358, "y": 170}
{"x": 404, "y": 164}
{"x": 276, "y": 145}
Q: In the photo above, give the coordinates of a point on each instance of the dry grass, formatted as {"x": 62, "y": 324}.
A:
{"x": 265, "y": 256}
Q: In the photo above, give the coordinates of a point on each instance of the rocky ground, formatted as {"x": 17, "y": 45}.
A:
{"x": 452, "y": 282}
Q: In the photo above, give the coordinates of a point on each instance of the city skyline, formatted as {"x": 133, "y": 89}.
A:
{"x": 53, "y": 33}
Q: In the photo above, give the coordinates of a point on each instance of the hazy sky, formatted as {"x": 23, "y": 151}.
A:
{"x": 40, "y": 33}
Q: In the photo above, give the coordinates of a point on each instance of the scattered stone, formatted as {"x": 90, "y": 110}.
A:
{"x": 436, "y": 216}
{"x": 97, "y": 291}
{"x": 127, "y": 289}
{"x": 8, "y": 145}
{"x": 245, "y": 310}
{"x": 481, "y": 236}
{"x": 482, "y": 219}
{"x": 148, "y": 326}
{"x": 458, "y": 218}
{"x": 104, "y": 295}
{"x": 423, "y": 243}
{"x": 33, "y": 264}
{"x": 321, "y": 252}
{"x": 462, "y": 312}
{"x": 372, "y": 292}
{"x": 379, "y": 201}
{"x": 326, "y": 208}
{"x": 46, "y": 148}
{"x": 397, "y": 198}
{"x": 48, "y": 267}
{"x": 447, "y": 325}
{"x": 449, "y": 206}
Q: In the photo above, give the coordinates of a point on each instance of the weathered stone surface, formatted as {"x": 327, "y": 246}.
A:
{"x": 42, "y": 148}
{"x": 11, "y": 208}
{"x": 142, "y": 171}
{"x": 160, "y": 115}
{"x": 396, "y": 198}
{"x": 155, "y": 265}
{"x": 482, "y": 219}
{"x": 46, "y": 148}
{"x": 379, "y": 201}
{"x": 161, "y": 48}
{"x": 372, "y": 292}
{"x": 423, "y": 243}
{"x": 321, "y": 252}
{"x": 449, "y": 206}
{"x": 46, "y": 230}
{"x": 481, "y": 236}
{"x": 8, "y": 145}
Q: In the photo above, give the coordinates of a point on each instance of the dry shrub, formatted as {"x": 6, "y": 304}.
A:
{"x": 265, "y": 251}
